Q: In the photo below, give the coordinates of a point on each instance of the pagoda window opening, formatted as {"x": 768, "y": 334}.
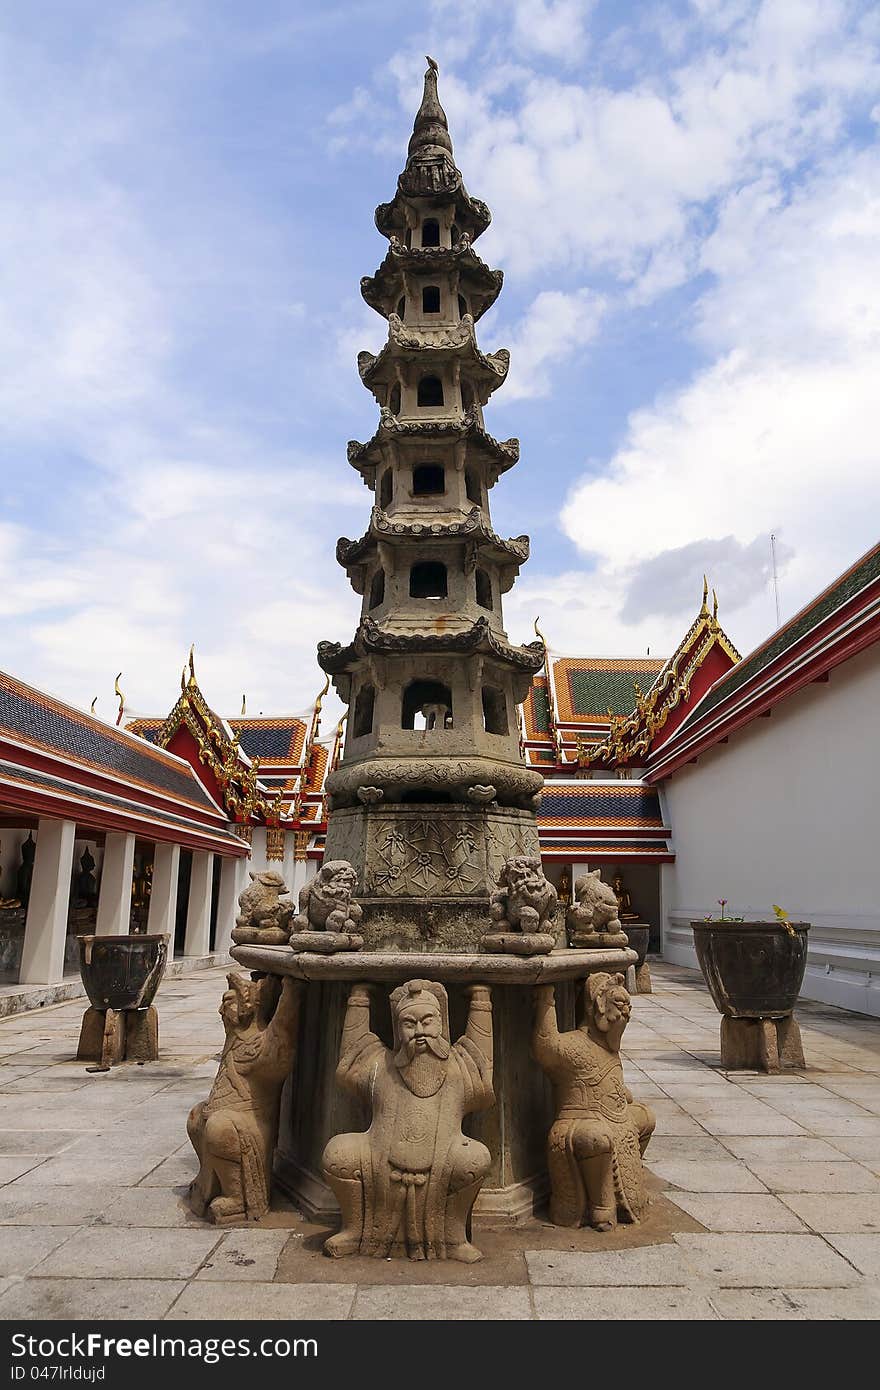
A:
{"x": 386, "y": 488}
{"x": 484, "y": 591}
{"x": 467, "y": 395}
{"x": 428, "y": 579}
{"x": 363, "y": 712}
{"x": 394, "y": 399}
{"x": 377, "y": 589}
{"x": 494, "y": 710}
{"x": 430, "y": 391}
{"x": 426, "y": 705}
{"x": 401, "y": 307}
{"x": 431, "y": 232}
{"x": 430, "y": 299}
{"x": 454, "y": 234}
{"x": 462, "y": 306}
{"x": 472, "y": 487}
{"x": 429, "y": 480}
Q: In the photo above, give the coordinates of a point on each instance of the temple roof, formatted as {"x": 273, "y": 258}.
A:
{"x": 587, "y": 688}
{"x": 613, "y": 819}
{"x": 38, "y": 719}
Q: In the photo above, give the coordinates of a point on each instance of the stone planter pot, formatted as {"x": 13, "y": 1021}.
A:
{"x": 753, "y": 969}
{"x": 122, "y": 972}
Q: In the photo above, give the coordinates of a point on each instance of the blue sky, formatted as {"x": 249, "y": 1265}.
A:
{"x": 686, "y": 202}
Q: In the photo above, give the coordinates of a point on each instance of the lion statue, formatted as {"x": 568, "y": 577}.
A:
{"x": 524, "y": 899}
{"x": 264, "y": 911}
{"x": 325, "y": 902}
{"x": 594, "y": 911}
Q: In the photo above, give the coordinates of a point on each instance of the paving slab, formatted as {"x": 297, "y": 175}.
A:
{"x": 797, "y": 1305}
{"x": 89, "y": 1300}
{"x": 704, "y": 1175}
{"x": 143, "y": 1253}
{"x": 654, "y": 1265}
{"x": 737, "y": 1211}
{"x": 861, "y": 1250}
{"x": 28, "y": 1247}
{"x": 604, "y": 1305}
{"x": 788, "y": 1148}
{"x": 433, "y": 1302}
{"x": 36, "y": 1141}
{"x": 14, "y": 1166}
{"x": 816, "y": 1177}
{"x": 245, "y": 1255}
{"x": 238, "y": 1300}
{"x": 763, "y": 1261}
{"x": 836, "y": 1213}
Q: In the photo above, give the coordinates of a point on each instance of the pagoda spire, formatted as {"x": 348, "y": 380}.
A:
{"x": 430, "y": 128}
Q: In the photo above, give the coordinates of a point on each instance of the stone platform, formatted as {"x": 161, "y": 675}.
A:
{"x": 515, "y": 1130}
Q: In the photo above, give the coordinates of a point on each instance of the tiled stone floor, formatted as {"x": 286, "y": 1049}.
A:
{"x": 777, "y": 1180}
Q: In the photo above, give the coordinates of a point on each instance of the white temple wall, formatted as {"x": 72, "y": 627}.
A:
{"x": 787, "y": 813}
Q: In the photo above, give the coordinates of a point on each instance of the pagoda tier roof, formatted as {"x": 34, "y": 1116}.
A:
{"x": 334, "y": 658}
{"x": 434, "y": 181}
{"x": 473, "y": 528}
{"x": 378, "y": 370}
{"x": 503, "y": 454}
{"x": 382, "y": 290}
{"x": 632, "y": 737}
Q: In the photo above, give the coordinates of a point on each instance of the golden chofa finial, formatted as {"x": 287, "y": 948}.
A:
{"x": 704, "y": 611}
{"x": 714, "y": 606}
{"x": 243, "y": 706}
{"x": 118, "y": 693}
{"x": 539, "y": 634}
{"x": 92, "y": 706}
{"x": 191, "y": 662}
{"x": 321, "y": 693}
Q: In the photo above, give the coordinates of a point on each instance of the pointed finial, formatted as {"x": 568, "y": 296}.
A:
{"x": 92, "y": 706}
{"x": 539, "y": 634}
{"x": 243, "y": 706}
{"x": 192, "y": 663}
{"x": 704, "y": 611}
{"x": 117, "y": 691}
{"x": 714, "y": 605}
{"x": 183, "y": 679}
{"x": 430, "y": 128}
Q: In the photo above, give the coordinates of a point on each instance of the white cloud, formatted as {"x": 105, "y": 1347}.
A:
{"x": 555, "y": 325}
{"x": 779, "y": 432}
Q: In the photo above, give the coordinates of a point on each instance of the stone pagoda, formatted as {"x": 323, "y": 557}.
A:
{"x": 432, "y": 794}
{"x": 430, "y": 921}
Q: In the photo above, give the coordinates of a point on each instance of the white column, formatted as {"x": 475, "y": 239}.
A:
{"x": 114, "y": 897}
{"x": 233, "y": 878}
{"x": 162, "y": 916}
{"x": 197, "y": 941}
{"x": 577, "y": 871}
{"x": 42, "y": 961}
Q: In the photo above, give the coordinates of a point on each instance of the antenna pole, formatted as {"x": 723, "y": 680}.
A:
{"x": 775, "y": 575}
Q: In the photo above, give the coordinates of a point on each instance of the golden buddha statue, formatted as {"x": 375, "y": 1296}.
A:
{"x": 624, "y": 901}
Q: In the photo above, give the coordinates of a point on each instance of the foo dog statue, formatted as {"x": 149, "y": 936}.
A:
{"x": 328, "y": 919}
{"x": 592, "y": 919}
{"x": 264, "y": 912}
{"x": 407, "y": 1185}
{"x": 523, "y": 909}
{"x": 595, "y": 1146}
{"x": 234, "y": 1131}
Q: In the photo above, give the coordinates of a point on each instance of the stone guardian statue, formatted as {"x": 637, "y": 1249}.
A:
{"x": 408, "y": 1185}
{"x": 235, "y": 1130}
{"x": 595, "y": 1146}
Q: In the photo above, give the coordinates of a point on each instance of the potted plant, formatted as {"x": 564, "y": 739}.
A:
{"x": 754, "y": 971}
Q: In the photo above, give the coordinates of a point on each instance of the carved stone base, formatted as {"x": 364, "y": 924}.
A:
{"x": 254, "y": 936}
{"x": 325, "y": 942}
{"x": 599, "y": 940}
{"x": 761, "y": 1044}
{"x": 426, "y": 872}
{"x": 519, "y": 943}
{"x": 110, "y": 1036}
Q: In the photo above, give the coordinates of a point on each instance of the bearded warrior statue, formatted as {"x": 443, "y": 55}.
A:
{"x": 595, "y": 1146}
{"x": 234, "y": 1131}
{"x": 408, "y": 1185}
